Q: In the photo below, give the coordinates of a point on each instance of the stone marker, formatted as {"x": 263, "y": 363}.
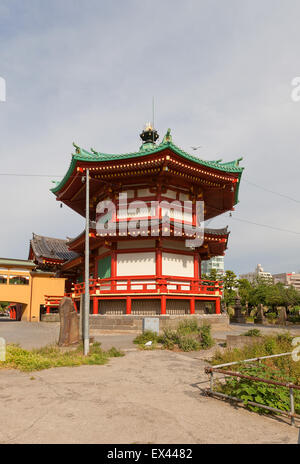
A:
{"x": 282, "y": 315}
{"x": 260, "y": 315}
{"x": 238, "y": 316}
{"x": 69, "y": 323}
{"x": 151, "y": 323}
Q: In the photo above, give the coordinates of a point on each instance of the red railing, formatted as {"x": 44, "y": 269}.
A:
{"x": 149, "y": 284}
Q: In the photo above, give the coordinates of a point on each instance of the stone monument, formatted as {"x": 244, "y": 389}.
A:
{"x": 260, "y": 315}
{"x": 282, "y": 315}
{"x": 238, "y": 317}
{"x": 69, "y": 323}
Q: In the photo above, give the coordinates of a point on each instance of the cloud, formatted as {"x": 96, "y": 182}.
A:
{"x": 87, "y": 71}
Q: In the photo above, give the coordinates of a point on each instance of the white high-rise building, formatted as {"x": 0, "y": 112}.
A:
{"x": 217, "y": 263}
{"x": 259, "y": 273}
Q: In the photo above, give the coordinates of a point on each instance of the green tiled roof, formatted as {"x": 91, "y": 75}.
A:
{"x": 94, "y": 157}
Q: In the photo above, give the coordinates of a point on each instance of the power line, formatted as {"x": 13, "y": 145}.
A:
{"x": 235, "y": 219}
{"x": 271, "y": 191}
{"x": 266, "y": 225}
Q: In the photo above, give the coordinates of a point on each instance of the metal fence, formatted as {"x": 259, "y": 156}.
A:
{"x": 219, "y": 369}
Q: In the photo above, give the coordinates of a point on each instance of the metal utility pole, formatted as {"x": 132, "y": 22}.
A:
{"x": 86, "y": 327}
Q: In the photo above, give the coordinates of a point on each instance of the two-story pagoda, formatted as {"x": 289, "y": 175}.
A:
{"x": 148, "y": 269}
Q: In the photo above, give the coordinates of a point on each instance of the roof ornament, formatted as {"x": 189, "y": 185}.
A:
{"x": 168, "y": 137}
{"x": 149, "y": 136}
{"x": 78, "y": 149}
{"x": 94, "y": 151}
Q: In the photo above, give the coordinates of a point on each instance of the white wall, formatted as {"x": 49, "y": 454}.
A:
{"x": 129, "y": 264}
{"x": 177, "y": 265}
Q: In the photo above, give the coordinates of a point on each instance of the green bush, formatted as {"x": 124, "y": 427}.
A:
{"x": 145, "y": 337}
{"x": 186, "y": 343}
{"x": 282, "y": 369}
{"x": 271, "y": 316}
{"x": 205, "y": 337}
{"x": 252, "y": 333}
{"x": 188, "y": 336}
{"x": 169, "y": 339}
{"x": 294, "y": 318}
{"x": 259, "y": 392}
{"x": 188, "y": 326}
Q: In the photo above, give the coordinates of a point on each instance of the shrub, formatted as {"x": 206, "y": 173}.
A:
{"x": 169, "y": 339}
{"x": 188, "y": 326}
{"x": 145, "y": 337}
{"x": 188, "y": 337}
{"x": 186, "y": 343}
{"x": 205, "y": 337}
{"x": 252, "y": 333}
{"x": 260, "y": 392}
{"x": 282, "y": 369}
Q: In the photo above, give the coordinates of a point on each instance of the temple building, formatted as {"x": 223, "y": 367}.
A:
{"x": 146, "y": 240}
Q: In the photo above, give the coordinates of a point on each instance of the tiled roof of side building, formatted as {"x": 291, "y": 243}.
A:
{"x": 51, "y": 248}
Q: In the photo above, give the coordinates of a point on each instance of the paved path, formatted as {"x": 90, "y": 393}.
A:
{"x": 35, "y": 335}
{"x": 144, "y": 397}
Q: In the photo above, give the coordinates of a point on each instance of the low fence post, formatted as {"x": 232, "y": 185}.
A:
{"x": 292, "y": 405}
{"x": 211, "y": 381}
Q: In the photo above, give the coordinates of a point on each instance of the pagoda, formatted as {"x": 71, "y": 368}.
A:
{"x": 153, "y": 268}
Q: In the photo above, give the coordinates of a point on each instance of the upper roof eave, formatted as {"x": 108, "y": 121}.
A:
{"x": 94, "y": 157}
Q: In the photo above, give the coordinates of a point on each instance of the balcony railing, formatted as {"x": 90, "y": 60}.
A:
{"x": 149, "y": 284}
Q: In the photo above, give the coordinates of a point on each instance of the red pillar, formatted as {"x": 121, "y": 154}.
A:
{"x": 128, "y": 305}
{"x": 196, "y": 265}
{"x": 158, "y": 260}
{"x": 196, "y": 273}
{"x": 163, "y": 305}
{"x": 113, "y": 269}
{"x": 95, "y": 305}
{"x": 218, "y": 306}
{"x": 192, "y": 305}
{"x": 158, "y": 269}
{"x": 48, "y": 310}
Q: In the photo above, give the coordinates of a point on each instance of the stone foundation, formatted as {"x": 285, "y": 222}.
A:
{"x": 54, "y": 317}
{"x": 135, "y": 322}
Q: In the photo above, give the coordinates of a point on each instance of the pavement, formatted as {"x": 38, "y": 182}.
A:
{"x": 35, "y": 335}
{"x": 144, "y": 397}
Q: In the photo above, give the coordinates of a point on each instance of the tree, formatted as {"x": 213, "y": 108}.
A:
{"x": 230, "y": 283}
{"x": 213, "y": 275}
{"x": 245, "y": 291}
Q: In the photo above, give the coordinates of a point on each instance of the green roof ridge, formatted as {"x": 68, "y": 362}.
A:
{"x": 84, "y": 155}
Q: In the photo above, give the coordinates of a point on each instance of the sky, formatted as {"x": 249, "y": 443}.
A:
{"x": 86, "y": 71}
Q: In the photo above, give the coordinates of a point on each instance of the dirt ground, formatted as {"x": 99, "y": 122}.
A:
{"x": 144, "y": 397}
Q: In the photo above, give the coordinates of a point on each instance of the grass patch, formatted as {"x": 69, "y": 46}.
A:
{"x": 188, "y": 336}
{"x": 282, "y": 369}
{"x": 52, "y": 356}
